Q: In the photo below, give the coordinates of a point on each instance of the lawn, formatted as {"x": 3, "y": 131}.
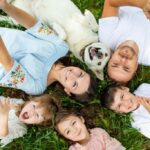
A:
{"x": 118, "y": 126}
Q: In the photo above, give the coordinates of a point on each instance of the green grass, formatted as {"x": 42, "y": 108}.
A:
{"x": 118, "y": 126}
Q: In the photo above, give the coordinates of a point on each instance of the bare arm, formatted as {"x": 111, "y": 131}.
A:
{"x": 4, "y": 112}
{"x": 19, "y": 15}
{"x": 137, "y": 3}
{"x": 4, "y": 125}
{"x": 109, "y": 10}
{"x": 5, "y": 58}
{"x": 143, "y": 4}
{"x": 5, "y": 105}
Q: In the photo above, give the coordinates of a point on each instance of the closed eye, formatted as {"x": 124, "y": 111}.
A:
{"x": 74, "y": 122}
{"x": 67, "y": 132}
{"x": 114, "y": 65}
{"x": 75, "y": 84}
{"x": 81, "y": 74}
{"x": 126, "y": 69}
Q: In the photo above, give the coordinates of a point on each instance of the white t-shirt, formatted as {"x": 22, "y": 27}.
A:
{"x": 141, "y": 117}
{"x": 15, "y": 126}
{"x": 130, "y": 24}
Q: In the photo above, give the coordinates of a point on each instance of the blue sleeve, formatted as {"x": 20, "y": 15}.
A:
{"x": 18, "y": 77}
{"x": 42, "y": 31}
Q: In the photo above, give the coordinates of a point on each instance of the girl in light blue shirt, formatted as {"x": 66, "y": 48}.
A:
{"x": 27, "y": 59}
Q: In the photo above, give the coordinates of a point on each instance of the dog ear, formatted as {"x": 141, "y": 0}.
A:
{"x": 82, "y": 53}
{"x": 99, "y": 74}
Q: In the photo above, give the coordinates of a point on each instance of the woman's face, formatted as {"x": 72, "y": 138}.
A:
{"x": 73, "y": 128}
{"x": 74, "y": 80}
{"x": 32, "y": 113}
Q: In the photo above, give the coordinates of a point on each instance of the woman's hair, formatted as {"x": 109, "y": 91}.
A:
{"x": 50, "y": 105}
{"x": 87, "y": 95}
{"x": 107, "y": 98}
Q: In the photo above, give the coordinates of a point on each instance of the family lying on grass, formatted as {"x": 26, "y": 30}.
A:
{"x": 29, "y": 60}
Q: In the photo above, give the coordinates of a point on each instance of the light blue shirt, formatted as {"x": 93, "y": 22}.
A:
{"x": 34, "y": 52}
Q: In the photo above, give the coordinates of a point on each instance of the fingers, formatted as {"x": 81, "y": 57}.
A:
{"x": 7, "y": 103}
{"x": 146, "y": 9}
{"x": 146, "y": 104}
{"x": 147, "y": 14}
{"x": 4, "y": 102}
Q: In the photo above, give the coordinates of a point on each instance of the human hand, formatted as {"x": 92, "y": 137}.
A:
{"x": 146, "y": 9}
{"x": 5, "y": 106}
{"x": 145, "y": 102}
{"x": 3, "y": 4}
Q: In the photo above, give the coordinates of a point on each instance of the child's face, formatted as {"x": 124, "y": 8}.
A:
{"x": 124, "y": 101}
{"x": 73, "y": 128}
{"x": 32, "y": 113}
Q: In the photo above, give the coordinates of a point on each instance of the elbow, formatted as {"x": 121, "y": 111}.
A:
{"x": 112, "y": 3}
{"x": 3, "y": 133}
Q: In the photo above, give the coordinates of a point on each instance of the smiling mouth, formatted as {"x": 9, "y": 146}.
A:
{"x": 25, "y": 115}
{"x": 78, "y": 133}
{"x": 93, "y": 51}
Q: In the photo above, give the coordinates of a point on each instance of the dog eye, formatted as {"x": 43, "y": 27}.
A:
{"x": 106, "y": 54}
{"x": 99, "y": 63}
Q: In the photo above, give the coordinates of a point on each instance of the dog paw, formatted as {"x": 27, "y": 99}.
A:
{"x": 91, "y": 19}
{"x": 59, "y": 30}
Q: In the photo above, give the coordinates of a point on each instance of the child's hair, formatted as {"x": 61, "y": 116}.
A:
{"x": 107, "y": 98}
{"x": 50, "y": 104}
{"x": 14, "y": 93}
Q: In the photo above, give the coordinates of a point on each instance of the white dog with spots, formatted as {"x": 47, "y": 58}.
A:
{"x": 79, "y": 30}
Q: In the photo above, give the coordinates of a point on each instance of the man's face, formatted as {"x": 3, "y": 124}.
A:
{"x": 123, "y": 63}
{"x": 124, "y": 101}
